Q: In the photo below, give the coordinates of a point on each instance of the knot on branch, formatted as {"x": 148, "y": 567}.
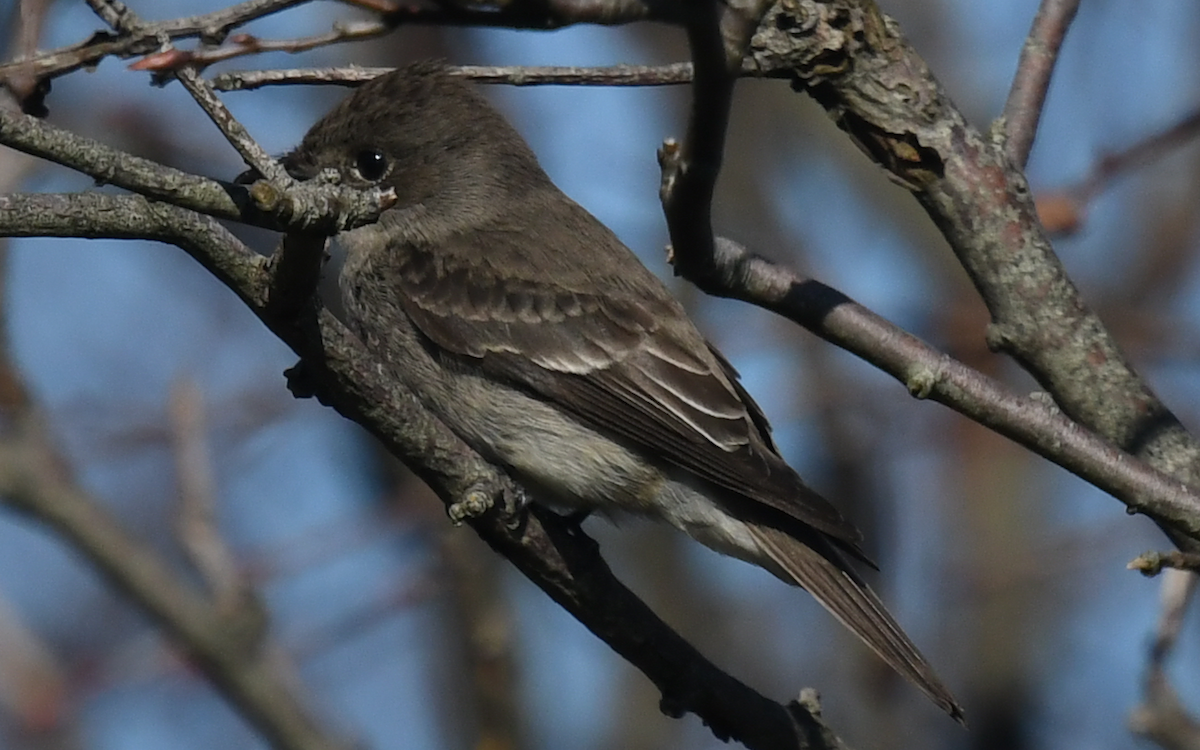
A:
{"x": 814, "y": 40}
{"x": 851, "y": 59}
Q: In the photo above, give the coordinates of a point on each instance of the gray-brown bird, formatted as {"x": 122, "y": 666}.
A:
{"x": 539, "y": 338}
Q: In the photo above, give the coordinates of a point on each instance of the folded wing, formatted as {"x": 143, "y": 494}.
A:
{"x": 628, "y": 362}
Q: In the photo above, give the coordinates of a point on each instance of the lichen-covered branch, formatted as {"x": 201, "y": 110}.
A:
{"x": 855, "y": 63}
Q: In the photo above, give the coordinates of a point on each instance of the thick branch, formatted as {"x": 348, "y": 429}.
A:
{"x": 109, "y": 166}
{"x": 881, "y": 92}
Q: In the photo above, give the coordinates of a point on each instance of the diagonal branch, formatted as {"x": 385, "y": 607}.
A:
{"x": 1063, "y": 210}
{"x": 884, "y": 96}
{"x": 229, "y": 649}
{"x": 253, "y": 154}
{"x": 1030, "y": 421}
{"x": 1027, "y": 96}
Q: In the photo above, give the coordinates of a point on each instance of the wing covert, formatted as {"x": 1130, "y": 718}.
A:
{"x": 632, "y": 366}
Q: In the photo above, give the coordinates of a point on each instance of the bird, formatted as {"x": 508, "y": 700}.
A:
{"x": 530, "y": 330}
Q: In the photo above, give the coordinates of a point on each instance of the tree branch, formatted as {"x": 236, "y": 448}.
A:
{"x": 1023, "y": 109}
{"x": 884, "y": 96}
{"x": 717, "y": 39}
{"x": 1161, "y": 717}
{"x": 556, "y": 75}
{"x": 1033, "y": 422}
{"x": 235, "y": 133}
{"x": 1062, "y": 210}
{"x": 242, "y": 45}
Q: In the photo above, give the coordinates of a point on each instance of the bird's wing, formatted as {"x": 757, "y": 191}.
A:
{"x": 626, "y": 361}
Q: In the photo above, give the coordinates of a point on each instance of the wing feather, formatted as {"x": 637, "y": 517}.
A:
{"x": 628, "y": 363}
{"x": 814, "y": 566}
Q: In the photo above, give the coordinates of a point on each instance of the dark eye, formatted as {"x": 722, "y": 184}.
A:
{"x": 371, "y": 164}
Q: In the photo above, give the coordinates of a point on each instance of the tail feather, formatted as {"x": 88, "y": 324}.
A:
{"x": 852, "y": 602}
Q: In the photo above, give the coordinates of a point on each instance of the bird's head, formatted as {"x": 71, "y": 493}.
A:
{"x": 421, "y": 131}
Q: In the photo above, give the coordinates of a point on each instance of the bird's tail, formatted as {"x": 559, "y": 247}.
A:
{"x": 853, "y": 603}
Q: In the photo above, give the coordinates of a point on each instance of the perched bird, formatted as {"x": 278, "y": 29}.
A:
{"x": 539, "y": 338}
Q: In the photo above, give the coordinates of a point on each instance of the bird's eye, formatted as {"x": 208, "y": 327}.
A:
{"x": 371, "y": 164}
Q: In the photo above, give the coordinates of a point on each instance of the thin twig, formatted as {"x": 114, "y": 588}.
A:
{"x": 1161, "y": 717}
{"x": 1027, "y": 96}
{"x": 237, "y": 135}
{"x": 241, "y": 45}
{"x": 196, "y": 523}
{"x": 557, "y": 75}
